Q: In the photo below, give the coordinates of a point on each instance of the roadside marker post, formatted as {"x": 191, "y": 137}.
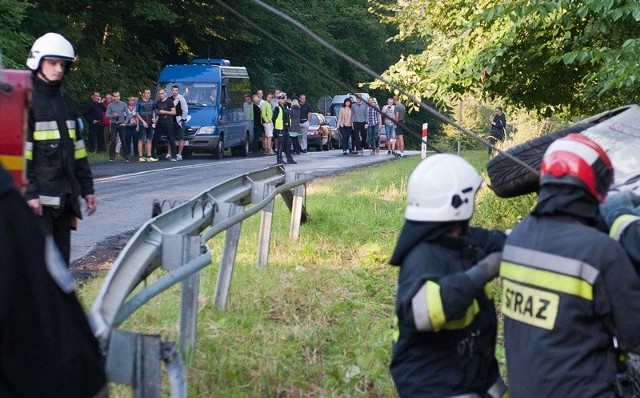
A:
{"x": 425, "y": 136}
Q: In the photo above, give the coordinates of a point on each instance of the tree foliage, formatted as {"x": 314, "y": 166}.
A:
{"x": 546, "y": 55}
{"x": 121, "y": 45}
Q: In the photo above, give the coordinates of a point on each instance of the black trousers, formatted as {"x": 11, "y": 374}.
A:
{"x": 360, "y": 134}
{"x": 284, "y": 142}
{"x": 115, "y": 131}
{"x": 57, "y": 222}
{"x": 167, "y": 129}
{"x": 95, "y": 139}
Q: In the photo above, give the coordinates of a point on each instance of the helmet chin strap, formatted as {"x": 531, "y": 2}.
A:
{"x": 44, "y": 78}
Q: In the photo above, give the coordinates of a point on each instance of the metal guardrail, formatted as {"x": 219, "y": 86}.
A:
{"x": 175, "y": 242}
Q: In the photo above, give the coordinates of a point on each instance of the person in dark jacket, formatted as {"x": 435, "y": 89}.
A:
{"x": 498, "y": 127}
{"x": 621, "y": 212}
{"x": 280, "y": 121}
{"x": 446, "y": 316}
{"x": 46, "y": 346}
{"x": 92, "y": 113}
{"x": 571, "y": 297}
{"x": 58, "y": 171}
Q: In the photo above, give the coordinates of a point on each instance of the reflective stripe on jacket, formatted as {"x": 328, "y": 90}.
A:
{"x": 447, "y": 324}
{"x": 57, "y": 167}
{"x": 568, "y": 289}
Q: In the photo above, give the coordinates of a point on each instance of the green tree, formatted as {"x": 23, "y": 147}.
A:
{"x": 13, "y": 40}
{"x": 558, "y": 55}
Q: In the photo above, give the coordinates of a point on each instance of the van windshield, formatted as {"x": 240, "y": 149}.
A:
{"x": 196, "y": 94}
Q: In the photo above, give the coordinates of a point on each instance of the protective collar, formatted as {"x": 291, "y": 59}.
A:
{"x": 414, "y": 232}
{"x": 569, "y": 200}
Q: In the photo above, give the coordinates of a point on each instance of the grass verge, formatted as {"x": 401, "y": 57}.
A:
{"x": 318, "y": 321}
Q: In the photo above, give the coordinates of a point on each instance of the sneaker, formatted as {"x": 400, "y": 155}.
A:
{"x": 291, "y": 162}
{"x": 373, "y": 152}
{"x": 168, "y": 156}
{"x": 345, "y": 152}
{"x": 174, "y": 159}
{"x": 142, "y": 159}
{"x": 112, "y": 160}
{"x": 151, "y": 159}
{"x": 126, "y": 160}
{"x": 389, "y": 152}
{"x": 179, "y": 157}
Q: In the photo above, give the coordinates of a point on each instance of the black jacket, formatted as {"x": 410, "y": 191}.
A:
{"x": 57, "y": 167}
{"x": 568, "y": 289}
{"x": 499, "y": 126}
{"x": 92, "y": 111}
{"x": 46, "y": 346}
{"x": 457, "y": 358}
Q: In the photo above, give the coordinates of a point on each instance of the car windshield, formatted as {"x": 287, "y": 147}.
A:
{"x": 332, "y": 120}
{"x": 621, "y": 143}
{"x": 196, "y": 94}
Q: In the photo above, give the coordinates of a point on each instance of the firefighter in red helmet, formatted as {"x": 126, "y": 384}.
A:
{"x": 571, "y": 298}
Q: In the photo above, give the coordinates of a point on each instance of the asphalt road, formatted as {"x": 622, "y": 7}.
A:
{"x": 126, "y": 191}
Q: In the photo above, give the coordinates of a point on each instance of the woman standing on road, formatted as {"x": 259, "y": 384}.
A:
{"x": 345, "y": 124}
{"x": 294, "y": 128}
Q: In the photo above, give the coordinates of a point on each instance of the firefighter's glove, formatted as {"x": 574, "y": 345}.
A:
{"x": 486, "y": 269}
{"x": 619, "y": 204}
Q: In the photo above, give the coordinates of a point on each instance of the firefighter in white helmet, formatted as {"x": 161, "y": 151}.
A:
{"x": 571, "y": 297}
{"x": 446, "y": 315}
{"x": 47, "y": 348}
{"x": 58, "y": 172}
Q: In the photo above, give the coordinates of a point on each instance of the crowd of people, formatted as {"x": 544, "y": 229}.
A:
{"x": 361, "y": 125}
{"x": 132, "y": 129}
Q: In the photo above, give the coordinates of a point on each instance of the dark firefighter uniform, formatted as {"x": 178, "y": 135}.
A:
{"x": 46, "y": 346}
{"x": 570, "y": 294}
{"x": 57, "y": 167}
{"x": 626, "y": 230}
{"x": 447, "y": 322}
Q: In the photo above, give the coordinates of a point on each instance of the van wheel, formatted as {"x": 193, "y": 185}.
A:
{"x": 242, "y": 149}
{"x": 218, "y": 151}
{"x": 509, "y": 179}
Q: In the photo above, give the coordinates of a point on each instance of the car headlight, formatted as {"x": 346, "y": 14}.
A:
{"x": 206, "y": 130}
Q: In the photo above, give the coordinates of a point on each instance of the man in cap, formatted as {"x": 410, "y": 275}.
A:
{"x": 281, "y": 128}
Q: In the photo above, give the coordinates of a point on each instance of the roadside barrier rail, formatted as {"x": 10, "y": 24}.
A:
{"x": 172, "y": 247}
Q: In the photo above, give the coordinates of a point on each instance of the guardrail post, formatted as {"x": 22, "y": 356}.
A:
{"x": 296, "y": 212}
{"x": 232, "y": 237}
{"x": 264, "y": 239}
{"x": 189, "y": 300}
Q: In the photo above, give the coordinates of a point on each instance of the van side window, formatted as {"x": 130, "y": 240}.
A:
{"x": 236, "y": 89}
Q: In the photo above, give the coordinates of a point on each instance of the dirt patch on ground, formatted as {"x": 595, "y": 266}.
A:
{"x": 100, "y": 258}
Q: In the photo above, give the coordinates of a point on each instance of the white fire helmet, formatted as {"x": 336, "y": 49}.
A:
{"x": 50, "y": 46}
{"x": 442, "y": 188}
